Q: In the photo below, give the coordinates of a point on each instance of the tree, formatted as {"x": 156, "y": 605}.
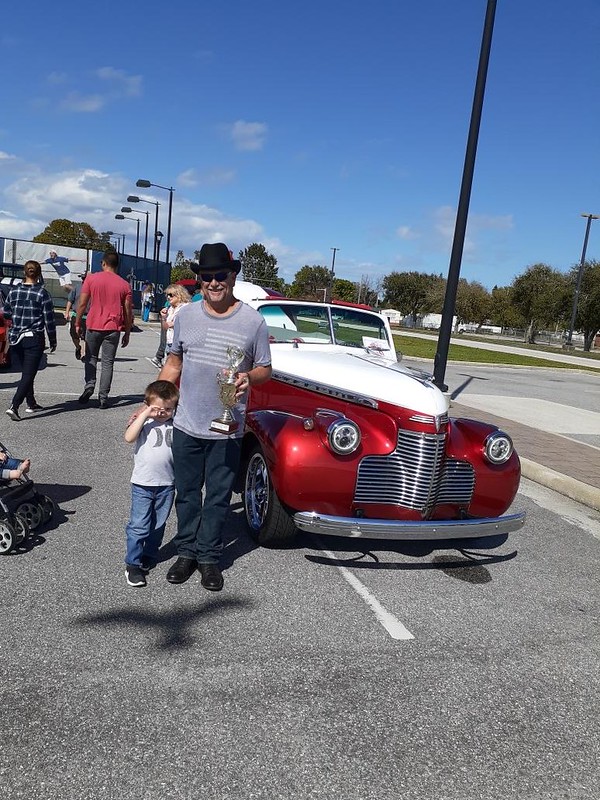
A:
{"x": 502, "y": 309}
{"x": 587, "y": 319}
{"x": 63, "y": 232}
{"x": 344, "y": 290}
{"x": 182, "y": 268}
{"x": 368, "y": 290}
{"x": 413, "y": 293}
{"x": 541, "y": 296}
{"x": 473, "y": 302}
{"x": 260, "y": 266}
{"x": 310, "y": 283}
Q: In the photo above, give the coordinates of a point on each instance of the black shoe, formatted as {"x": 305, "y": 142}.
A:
{"x": 181, "y": 570}
{"x": 212, "y": 578}
{"x": 13, "y": 414}
{"x": 86, "y": 394}
{"x": 32, "y": 409}
{"x": 103, "y": 403}
{"x": 134, "y": 576}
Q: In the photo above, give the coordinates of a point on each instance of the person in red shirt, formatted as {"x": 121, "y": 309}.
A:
{"x": 110, "y": 311}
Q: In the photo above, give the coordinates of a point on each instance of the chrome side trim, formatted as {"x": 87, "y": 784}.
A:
{"x": 402, "y": 530}
{"x": 427, "y": 419}
{"x": 323, "y": 388}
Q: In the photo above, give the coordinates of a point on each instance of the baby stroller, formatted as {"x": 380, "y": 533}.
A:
{"x": 22, "y": 509}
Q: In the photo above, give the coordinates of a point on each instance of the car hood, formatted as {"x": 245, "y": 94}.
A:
{"x": 364, "y": 374}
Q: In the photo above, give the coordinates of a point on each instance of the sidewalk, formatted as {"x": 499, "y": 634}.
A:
{"x": 555, "y": 461}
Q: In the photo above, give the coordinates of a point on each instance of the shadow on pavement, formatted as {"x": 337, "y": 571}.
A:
{"x": 174, "y": 627}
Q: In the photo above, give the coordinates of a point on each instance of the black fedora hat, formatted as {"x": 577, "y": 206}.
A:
{"x": 214, "y": 257}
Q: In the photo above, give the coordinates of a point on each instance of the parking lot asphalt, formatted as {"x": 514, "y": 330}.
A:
{"x": 112, "y": 693}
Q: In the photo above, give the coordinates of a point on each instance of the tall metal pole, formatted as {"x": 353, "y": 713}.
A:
{"x": 155, "y": 237}
{"x": 332, "y": 274}
{"x": 146, "y": 236}
{"x": 137, "y": 238}
{"x": 169, "y": 225}
{"x": 441, "y": 356}
{"x": 590, "y": 217}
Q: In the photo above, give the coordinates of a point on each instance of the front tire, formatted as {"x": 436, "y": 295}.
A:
{"x": 268, "y": 521}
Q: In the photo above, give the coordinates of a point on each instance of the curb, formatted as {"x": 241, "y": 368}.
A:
{"x": 563, "y": 484}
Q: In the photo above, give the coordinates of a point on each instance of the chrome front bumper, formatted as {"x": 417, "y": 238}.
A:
{"x": 401, "y": 530}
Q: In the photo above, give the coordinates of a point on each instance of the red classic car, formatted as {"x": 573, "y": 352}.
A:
{"x": 345, "y": 440}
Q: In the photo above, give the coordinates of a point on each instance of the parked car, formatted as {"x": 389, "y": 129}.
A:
{"x": 345, "y": 440}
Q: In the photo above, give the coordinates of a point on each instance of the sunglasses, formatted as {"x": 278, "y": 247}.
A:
{"x": 207, "y": 277}
{"x": 170, "y": 294}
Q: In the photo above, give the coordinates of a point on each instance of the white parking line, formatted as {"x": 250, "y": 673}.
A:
{"x": 392, "y": 625}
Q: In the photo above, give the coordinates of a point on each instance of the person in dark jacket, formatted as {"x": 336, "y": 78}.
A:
{"x": 29, "y": 308}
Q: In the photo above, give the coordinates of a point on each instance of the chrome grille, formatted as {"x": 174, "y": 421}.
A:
{"x": 416, "y": 475}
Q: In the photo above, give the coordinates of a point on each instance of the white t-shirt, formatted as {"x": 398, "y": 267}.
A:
{"x": 153, "y": 459}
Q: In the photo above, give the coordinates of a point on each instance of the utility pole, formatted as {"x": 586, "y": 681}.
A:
{"x": 332, "y": 274}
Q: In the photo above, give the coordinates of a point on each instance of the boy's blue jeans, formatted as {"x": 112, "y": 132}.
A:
{"x": 150, "y": 509}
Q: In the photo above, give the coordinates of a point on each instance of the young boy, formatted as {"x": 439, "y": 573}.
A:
{"x": 152, "y": 481}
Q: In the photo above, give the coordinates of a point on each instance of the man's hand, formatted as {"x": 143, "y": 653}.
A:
{"x": 125, "y": 339}
{"x": 242, "y": 384}
{"x": 53, "y": 348}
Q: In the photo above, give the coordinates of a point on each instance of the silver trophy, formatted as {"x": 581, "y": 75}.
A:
{"x": 226, "y": 378}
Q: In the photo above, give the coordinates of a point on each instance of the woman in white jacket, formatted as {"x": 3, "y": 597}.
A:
{"x": 177, "y": 296}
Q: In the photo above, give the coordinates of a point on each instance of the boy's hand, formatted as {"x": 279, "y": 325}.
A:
{"x": 142, "y": 411}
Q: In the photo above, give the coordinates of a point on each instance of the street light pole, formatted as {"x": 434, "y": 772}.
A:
{"x": 589, "y": 218}
{"x": 144, "y": 184}
{"x": 127, "y": 210}
{"x": 137, "y": 234}
{"x": 132, "y": 198}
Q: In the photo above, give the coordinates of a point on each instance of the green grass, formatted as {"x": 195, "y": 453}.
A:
{"x": 414, "y": 347}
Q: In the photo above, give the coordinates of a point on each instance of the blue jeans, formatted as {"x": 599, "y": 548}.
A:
{"x": 28, "y": 355}
{"x": 108, "y": 341}
{"x": 150, "y": 509}
{"x": 212, "y": 463}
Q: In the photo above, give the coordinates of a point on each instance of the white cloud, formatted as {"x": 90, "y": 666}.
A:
{"x": 477, "y": 226}
{"x": 124, "y": 84}
{"x": 215, "y": 177}
{"x": 90, "y": 103}
{"x": 406, "y": 232}
{"x": 93, "y": 196}
{"x": 247, "y": 135}
{"x": 56, "y": 78}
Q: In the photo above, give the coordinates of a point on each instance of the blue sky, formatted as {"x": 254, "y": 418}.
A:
{"x": 309, "y": 126}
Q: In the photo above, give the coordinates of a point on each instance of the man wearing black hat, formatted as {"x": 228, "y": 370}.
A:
{"x": 203, "y": 457}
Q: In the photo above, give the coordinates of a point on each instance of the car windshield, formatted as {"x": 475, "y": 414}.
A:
{"x": 296, "y": 322}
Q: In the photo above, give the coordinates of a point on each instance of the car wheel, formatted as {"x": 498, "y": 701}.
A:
{"x": 8, "y": 537}
{"x": 268, "y": 521}
{"x": 31, "y": 513}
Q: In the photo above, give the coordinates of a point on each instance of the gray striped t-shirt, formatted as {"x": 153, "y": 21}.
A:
{"x": 202, "y": 340}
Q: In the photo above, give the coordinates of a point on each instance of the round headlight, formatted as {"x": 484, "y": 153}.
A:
{"x": 498, "y": 447}
{"x": 343, "y": 436}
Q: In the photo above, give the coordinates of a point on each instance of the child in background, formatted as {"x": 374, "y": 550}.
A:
{"x": 152, "y": 481}
{"x": 12, "y": 468}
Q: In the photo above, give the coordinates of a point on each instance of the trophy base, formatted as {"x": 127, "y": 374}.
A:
{"x": 220, "y": 426}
